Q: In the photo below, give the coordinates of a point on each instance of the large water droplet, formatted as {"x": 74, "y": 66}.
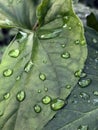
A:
{"x": 84, "y": 82}
{"x": 83, "y": 127}
{"x": 42, "y": 76}
{"x": 14, "y": 53}
{"x": 50, "y": 35}
{"x": 95, "y": 93}
{"x": 6, "y": 96}
{"x": 20, "y": 96}
{"x": 28, "y": 66}
{"x": 57, "y": 104}
{"x": 37, "y": 108}
{"x": 65, "y": 55}
{"x": 84, "y": 95}
{"x": 46, "y": 100}
{"x": 7, "y": 72}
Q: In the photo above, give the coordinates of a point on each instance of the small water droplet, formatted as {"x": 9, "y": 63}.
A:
{"x": 94, "y": 40}
{"x": 6, "y": 96}
{"x": 83, "y": 127}
{"x": 37, "y": 108}
{"x": 77, "y": 42}
{"x": 65, "y": 55}
{"x": 84, "y": 95}
{"x": 74, "y": 101}
{"x": 50, "y": 35}
{"x": 80, "y": 74}
{"x": 14, "y": 53}
{"x": 68, "y": 86}
{"x": 28, "y": 66}
{"x": 63, "y": 45}
{"x": 95, "y": 93}
{"x": 84, "y": 82}
{"x": 39, "y": 91}
{"x": 46, "y": 89}
{"x": 1, "y": 113}
{"x": 20, "y": 96}
{"x": 7, "y": 72}
{"x": 46, "y": 99}
{"x": 57, "y": 104}
{"x": 65, "y": 25}
{"x": 42, "y": 76}
{"x": 83, "y": 42}
{"x": 18, "y": 78}
{"x": 70, "y": 28}
{"x": 96, "y": 60}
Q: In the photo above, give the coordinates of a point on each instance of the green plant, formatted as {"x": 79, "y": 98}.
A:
{"x": 42, "y": 64}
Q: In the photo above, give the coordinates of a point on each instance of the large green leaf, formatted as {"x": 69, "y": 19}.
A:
{"x": 37, "y": 72}
{"x": 81, "y": 113}
{"x": 21, "y": 13}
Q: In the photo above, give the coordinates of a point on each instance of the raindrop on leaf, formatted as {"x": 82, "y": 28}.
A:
{"x": 46, "y": 100}
{"x": 84, "y": 83}
{"x": 7, "y": 72}
{"x": 65, "y": 55}
{"x": 14, "y": 53}
{"x": 37, "y": 108}
{"x": 20, "y": 96}
{"x": 28, "y": 66}
{"x": 42, "y": 76}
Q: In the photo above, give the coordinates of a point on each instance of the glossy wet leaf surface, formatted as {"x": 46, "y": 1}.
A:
{"x": 82, "y": 109}
{"x": 39, "y": 66}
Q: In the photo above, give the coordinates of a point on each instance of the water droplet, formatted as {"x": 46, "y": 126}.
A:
{"x": 37, "y": 108}
{"x": 18, "y": 78}
{"x": 96, "y": 60}
{"x": 1, "y": 113}
{"x": 83, "y": 127}
{"x": 80, "y": 74}
{"x": 39, "y": 91}
{"x": 50, "y": 35}
{"x": 63, "y": 45}
{"x": 65, "y": 19}
{"x": 57, "y": 104}
{"x": 95, "y": 93}
{"x": 42, "y": 76}
{"x": 70, "y": 28}
{"x": 7, "y": 72}
{"x": 84, "y": 95}
{"x": 46, "y": 100}
{"x": 14, "y": 53}
{"x": 20, "y": 96}
{"x": 6, "y": 96}
{"x": 28, "y": 66}
{"x": 65, "y": 25}
{"x": 83, "y": 42}
{"x": 77, "y": 42}
{"x": 68, "y": 86}
{"x": 84, "y": 83}
{"x": 65, "y": 55}
{"x": 46, "y": 89}
{"x": 94, "y": 40}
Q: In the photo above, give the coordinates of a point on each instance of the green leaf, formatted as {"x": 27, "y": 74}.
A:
{"x": 38, "y": 72}
{"x": 82, "y": 109}
{"x": 21, "y": 13}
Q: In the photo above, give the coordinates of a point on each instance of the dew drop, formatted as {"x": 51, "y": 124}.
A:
{"x": 6, "y": 96}
{"x": 83, "y": 127}
{"x": 37, "y": 108}
{"x": 65, "y": 25}
{"x": 39, "y": 91}
{"x": 42, "y": 76}
{"x": 7, "y": 72}
{"x": 20, "y": 96}
{"x": 50, "y": 35}
{"x": 80, "y": 74}
{"x": 57, "y": 104}
{"x": 77, "y": 42}
{"x": 70, "y": 28}
{"x": 84, "y": 83}
{"x": 95, "y": 93}
{"x": 65, "y": 55}
{"x": 68, "y": 86}
{"x": 46, "y": 100}
{"x": 18, "y": 78}
{"x": 83, "y": 42}
{"x": 14, "y": 53}
{"x": 94, "y": 40}
{"x": 28, "y": 66}
{"x": 63, "y": 45}
{"x": 46, "y": 89}
{"x": 84, "y": 95}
